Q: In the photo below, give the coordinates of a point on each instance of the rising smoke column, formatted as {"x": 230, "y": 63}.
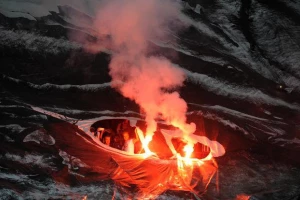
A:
{"x": 126, "y": 27}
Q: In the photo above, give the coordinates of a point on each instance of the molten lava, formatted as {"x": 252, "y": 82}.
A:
{"x": 185, "y": 164}
{"x": 152, "y": 83}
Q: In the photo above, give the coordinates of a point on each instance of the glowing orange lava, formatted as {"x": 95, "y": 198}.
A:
{"x": 181, "y": 161}
{"x": 188, "y": 150}
{"x": 182, "y": 176}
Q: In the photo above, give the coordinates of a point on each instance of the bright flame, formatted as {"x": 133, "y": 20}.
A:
{"x": 188, "y": 150}
{"x": 150, "y": 81}
{"x": 145, "y": 143}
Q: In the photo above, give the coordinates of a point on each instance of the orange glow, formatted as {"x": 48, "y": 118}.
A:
{"x": 84, "y": 198}
{"x": 145, "y": 142}
{"x": 182, "y": 173}
{"x": 242, "y": 197}
{"x": 151, "y": 82}
{"x": 188, "y": 150}
{"x": 182, "y": 177}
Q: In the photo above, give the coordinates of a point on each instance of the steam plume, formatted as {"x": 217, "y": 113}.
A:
{"x": 127, "y": 27}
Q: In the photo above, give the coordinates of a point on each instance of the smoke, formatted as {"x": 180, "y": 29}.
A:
{"x": 130, "y": 24}
{"x": 126, "y": 27}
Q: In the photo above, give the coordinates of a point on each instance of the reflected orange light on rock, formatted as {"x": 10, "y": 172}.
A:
{"x": 242, "y": 197}
{"x": 84, "y": 198}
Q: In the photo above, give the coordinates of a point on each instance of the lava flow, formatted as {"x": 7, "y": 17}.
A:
{"x": 151, "y": 81}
